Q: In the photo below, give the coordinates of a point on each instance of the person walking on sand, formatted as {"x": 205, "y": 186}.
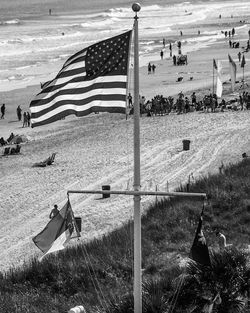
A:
{"x": 130, "y": 100}
{"x": 28, "y": 118}
{"x": 3, "y": 111}
{"x": 149, "y": 68}
{"x": 153, "y": 68}
{"x": 19, "y": 113}
{"x": 164, "y": 42}
{"x": 161, "y": 54}
{"x": 54, "y": 212}
{"x": 239, "y": 56}
{"x": 174, "y": 59}
{"x": 25, "y": 120}
{"x": 170, "y": 49}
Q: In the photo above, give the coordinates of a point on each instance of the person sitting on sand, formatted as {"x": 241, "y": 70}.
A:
{"x": 10, "y": 137}
{"x": 3, "y": 142}
{"x": 54, "y": 212}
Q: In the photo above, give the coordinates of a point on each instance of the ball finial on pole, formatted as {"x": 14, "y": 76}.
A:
{"x": 136, "y": 7}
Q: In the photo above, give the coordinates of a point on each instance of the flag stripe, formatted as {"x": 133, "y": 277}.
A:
{"x": 93, "y": 76}
{"x": 80, "y": 103}
{"x": 84, "y": 86}
{"x": 100, "y": 107}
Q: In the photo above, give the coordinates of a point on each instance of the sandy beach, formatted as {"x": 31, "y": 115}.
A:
{"x": 98, "y": 149}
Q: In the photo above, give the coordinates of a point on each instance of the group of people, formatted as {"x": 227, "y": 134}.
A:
{"x": 160, "y": 105}
{"x": 229, "y": 33}
{"x": 26, "y": 117}
{"x": 151, "y": 68}
{"x": 4, "y": 142}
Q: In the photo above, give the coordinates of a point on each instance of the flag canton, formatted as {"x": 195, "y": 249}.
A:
{"x": 108, "y": 57}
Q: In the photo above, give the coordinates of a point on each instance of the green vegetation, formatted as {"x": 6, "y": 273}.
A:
{"x": 99, "y": 274}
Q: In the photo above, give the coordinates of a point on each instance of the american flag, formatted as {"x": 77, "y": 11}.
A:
{"x": 92, "y": 80}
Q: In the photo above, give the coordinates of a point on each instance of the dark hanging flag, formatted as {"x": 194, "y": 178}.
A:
{"x": 214, "y": 64}
{"x": 92, "y": 80}
{"x": 199, "y": 251}
{"x": 243, "y": 62}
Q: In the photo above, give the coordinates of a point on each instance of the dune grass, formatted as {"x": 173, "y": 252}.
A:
{"x": 99, "y": 274}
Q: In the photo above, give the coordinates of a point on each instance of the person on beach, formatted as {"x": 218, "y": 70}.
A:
{"x": 181, "y": 33}
{"x": 130, "y": 100}
{"x": 174, "y": 59}
{"x": 239, "y": 56}
{"x": 193, "y": 98}
{"x": 230, "y": 43}
{"x": 28, "y": 119}
{"x": 10, "y": 137}
{"x": 233, "y": 31}
{"x": 2, "y": 142}
{"x": 153, "y": 68}
{"x": 25, "y": 120}
{"x": 179, "y": 47}
{"x": 170, "y": 49}
{"x": 54, "y": 212}
{"x": 19, "y": 113}
{"x": 3, "y": 111}
{"x": 161, "y": 54}
{"x": 149, "y": 68}
{"x": 164, "y": 42}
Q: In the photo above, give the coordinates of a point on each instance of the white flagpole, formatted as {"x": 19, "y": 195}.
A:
{"x": 137, "y": 199}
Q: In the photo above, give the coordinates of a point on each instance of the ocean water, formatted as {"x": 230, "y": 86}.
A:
{"x": 34, "y": 44}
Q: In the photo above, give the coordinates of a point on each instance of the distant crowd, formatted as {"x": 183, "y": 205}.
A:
{"x": 160, "y": 105}
{"x": 25, "y": 117}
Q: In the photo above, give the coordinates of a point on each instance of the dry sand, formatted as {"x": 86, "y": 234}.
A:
{"x": 98, "y": 150}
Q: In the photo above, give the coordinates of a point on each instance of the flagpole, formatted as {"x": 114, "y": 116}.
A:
{"x": 137, "y": 212}
{"x": 243, "y": 81}
{"x": 213, "y": 77}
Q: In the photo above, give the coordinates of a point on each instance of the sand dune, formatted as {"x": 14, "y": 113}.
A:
{"x": 98, "y": 150}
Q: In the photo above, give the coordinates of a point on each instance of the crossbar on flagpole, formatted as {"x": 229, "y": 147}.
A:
{"x": 140, "y": 193}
